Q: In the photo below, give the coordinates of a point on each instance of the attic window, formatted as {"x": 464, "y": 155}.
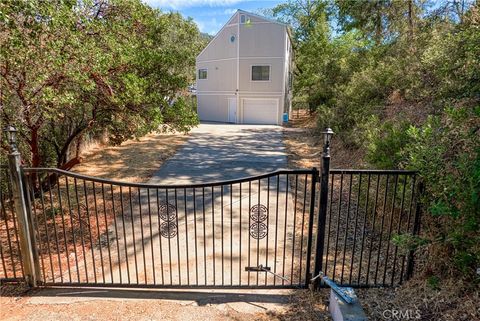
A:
{"x": 202, "y": 73}
{"x": 242, "y": 18}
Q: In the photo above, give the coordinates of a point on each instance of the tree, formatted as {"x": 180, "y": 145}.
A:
{"x": 70, "y": 69}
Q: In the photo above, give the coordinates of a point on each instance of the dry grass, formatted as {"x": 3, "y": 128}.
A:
{"x": 134, "y": 160}
{"x": 304, "y": 143}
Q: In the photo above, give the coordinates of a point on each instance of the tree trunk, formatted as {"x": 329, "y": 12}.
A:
{"x": 34, "y": 148}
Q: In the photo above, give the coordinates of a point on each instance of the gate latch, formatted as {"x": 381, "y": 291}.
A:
{"x": 259, "y": 268}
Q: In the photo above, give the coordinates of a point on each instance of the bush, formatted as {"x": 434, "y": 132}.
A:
{"x": 446, "y": 152}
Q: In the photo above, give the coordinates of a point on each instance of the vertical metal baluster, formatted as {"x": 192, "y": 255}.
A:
{"x": 107, "y": 231}
{"x": 249, "y": 225}
{"x": 90, "y": 231}
{"x": 294, "y": 226}
{"x": 195, "y": 232}
{"x": 4, "y": 214}
{"x": 311, "y": 216}
{"x": 213, "y": 234}
{"x": 337, "y": 233}
{"x": 63, "y": 229}
{"x": 302, "y": 228}
{"x": 268, "y": 219}
{"x": 55, "y": 228}
{"x": 347, "y": 221}
{"x": 4, "y": 267}
{"x": 277, "y": 194}
{"x": 373, "y": 229}
{"x": 258, "y": 239}
{"x": 151, "y": 235}
{"x": 31, "y": 189}
{"x": 204, "y": 237}
{"x": 160, "y": 235}
{"x": 42, "y": 198}
{"x": 9, "y": 240}
{"x": 124, "y": 235}
{"x": 285, "y": 229}
{"x": 116, "y": 234}
{"x": 178, "y": 241}
{"x": 355, "y": 228}
{"x": 231, "y": 235}
{"x": 72, "y": 229}
{"x": 363, "y": 230}
{"x": 186, "y": 232}
{"x": 167, "y": 203}
{"x": 390, "y": 228}
{"x": 240, "y": 241}
{"x": 134, "y": 241}
{"x": 381, "y": 229}
{"x": 408, "y": 223}
{"x": 400, "y": 215}
{"x": 221, "y": 217}
{"x": 329, "y": 224}
{"x": 141, "y": 231}
{"x": 98, "y": 230}
{"x": 81, "y": 228}
{"x": 15, "y": 233}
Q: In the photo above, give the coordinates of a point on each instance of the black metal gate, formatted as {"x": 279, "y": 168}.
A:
{"x": 92, "y": 231}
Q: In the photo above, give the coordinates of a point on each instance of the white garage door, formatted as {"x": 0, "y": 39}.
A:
{"x": 260, "y": 111}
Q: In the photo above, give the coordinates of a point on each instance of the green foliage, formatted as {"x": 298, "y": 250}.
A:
{"x": 385, "y": 143}
{"x": 402, "y": 81}
{"x": 71, "y": 69}
{"x": 446, "y": 152}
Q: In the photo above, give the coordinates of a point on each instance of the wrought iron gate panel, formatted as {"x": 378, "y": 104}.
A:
{"x": 366, "y": 210}
{"x": 94, "y": 231}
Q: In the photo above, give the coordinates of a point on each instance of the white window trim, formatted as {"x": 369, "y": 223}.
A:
{"x": 269, "y": 74}
{"x": 198, "y": 73}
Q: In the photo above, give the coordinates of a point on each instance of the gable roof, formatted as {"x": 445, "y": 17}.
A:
{"x": 238, "y": 12}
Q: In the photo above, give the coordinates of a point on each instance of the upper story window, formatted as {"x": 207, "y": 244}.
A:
{"x": 202, "y": 73}
{"x": 260, "y": 73}
{"x": 244, "y": 19}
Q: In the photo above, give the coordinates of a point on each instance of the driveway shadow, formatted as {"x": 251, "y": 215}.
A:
{"x": 200, "y": 297}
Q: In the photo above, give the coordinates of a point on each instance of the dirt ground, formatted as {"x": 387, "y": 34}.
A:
{"x": 122, "y": 162}
{"x": 16, "y": 303}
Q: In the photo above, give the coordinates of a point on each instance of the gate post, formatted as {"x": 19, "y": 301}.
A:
{"x": 322, "y": 215}
{"x": 25, "y": 231}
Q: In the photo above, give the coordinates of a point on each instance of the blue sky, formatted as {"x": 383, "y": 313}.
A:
{"x": 211, "y": 15}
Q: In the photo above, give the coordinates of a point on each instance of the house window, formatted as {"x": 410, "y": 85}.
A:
{"x": 242, "y": 18}
{"x": 260, "y": 73}
{"x": 202, "y": 73}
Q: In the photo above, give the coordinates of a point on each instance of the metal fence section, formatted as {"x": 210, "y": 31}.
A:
{"x": 94, "y": 231}
{"x": 366, "y": 211}
{"x": 11, "y": 267}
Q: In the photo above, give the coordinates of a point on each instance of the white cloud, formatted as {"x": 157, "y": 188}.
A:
{"x": 178, "y": 4}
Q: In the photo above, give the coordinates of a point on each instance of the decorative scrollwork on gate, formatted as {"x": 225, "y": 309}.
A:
{"x": 167, "y": 211}
{"x": 168, "y": 229}
{"x": 258, "y": 215}
{"x": 258, "y": 230}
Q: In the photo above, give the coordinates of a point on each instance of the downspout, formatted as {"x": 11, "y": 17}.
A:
{"x": 237, "y": 93}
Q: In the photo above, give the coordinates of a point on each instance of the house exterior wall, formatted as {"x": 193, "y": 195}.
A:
{"x": 259, "y": 42}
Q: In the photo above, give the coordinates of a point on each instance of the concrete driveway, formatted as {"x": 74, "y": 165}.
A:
{"x": 218, "y": 151}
